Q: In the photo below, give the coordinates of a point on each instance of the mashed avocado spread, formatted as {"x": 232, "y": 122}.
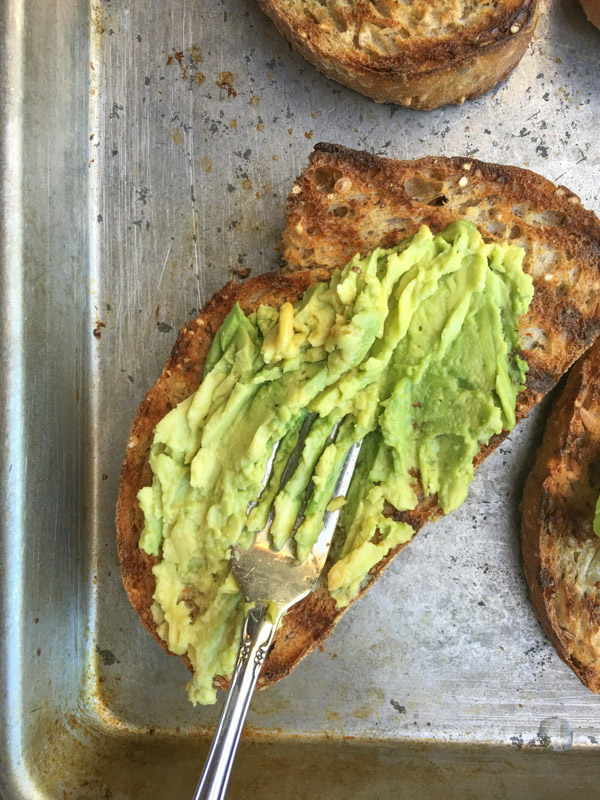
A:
{"x": 416, "y": 347}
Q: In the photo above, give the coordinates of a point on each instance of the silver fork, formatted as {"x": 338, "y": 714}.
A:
{"x": 271, "y": 580}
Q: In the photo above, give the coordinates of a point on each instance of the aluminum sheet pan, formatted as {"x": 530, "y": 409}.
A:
{"x": 147, "y": 151}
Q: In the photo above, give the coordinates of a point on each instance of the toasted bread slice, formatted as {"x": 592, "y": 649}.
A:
{"x": 347, "y": 202}
{"x": 561, "y": 552}
{"x": 420, "y": 53}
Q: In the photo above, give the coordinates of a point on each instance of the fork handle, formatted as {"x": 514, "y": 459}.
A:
{"x": 256, "y": 638}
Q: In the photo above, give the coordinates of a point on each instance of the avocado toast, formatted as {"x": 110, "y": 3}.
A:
{"x": 348, "y": 202}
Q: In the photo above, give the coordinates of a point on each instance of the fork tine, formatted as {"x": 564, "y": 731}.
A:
{"x": 320, "y": 549}
{"x": 291, "y": 464}
{"x": 266, "y": 478}
{"x": 294, "y": 458}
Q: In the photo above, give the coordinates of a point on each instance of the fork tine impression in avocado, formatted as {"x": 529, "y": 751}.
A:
{"x": 272, "y": 582}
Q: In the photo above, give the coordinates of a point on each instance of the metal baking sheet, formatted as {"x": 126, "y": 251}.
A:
{"x": 147, "y": 151}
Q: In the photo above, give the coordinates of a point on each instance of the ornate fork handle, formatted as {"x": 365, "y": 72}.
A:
{"x": 256, "y": 638}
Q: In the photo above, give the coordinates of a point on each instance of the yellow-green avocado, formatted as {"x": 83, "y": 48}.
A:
{"x": 416, "y": 346}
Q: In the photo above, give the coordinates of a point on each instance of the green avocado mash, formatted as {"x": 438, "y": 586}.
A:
{"x": 415, "y": 346}
{"x": 596, "y": 524}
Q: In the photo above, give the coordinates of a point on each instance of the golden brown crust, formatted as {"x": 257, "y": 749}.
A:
{"x": 411, "y": 56}
{"x": 561, "y": 324}
{"x": 561, "y": 553}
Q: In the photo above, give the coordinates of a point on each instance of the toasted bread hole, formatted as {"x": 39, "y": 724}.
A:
{"x": 399, "y": 223}
{"x": 561, "y": 290}
{"x": 382, "y": 7}
{"x": 325, "y": 179}
{"x": 441, "y": 200}
{"x": 312, "y": 231}
{"x": 547, "y": 219}
{"x": 520, "y": 210}
{"x": 312, "y": 18}
{"x": 424, "y": 190}
{"x": 339, "y": 211}
{"x": 338, "y": 20}
{"x": 496, "y": 228}
{"x": 515, "y": 232}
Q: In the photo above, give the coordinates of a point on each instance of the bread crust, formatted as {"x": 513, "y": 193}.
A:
{"x": 425, "y": 70}
{"x": 316, "y": 241}
{"x": 558, "y": 542}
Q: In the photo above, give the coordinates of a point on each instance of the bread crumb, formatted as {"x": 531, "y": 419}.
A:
{"x": 573, "y": 200}
{"x": 515, "y": 28}
{"x": 299, "y": 227}
{"x": 559, "y": 192}
{"x": 296, "y": 189}
{"x": 463, "y": 181}
{"x": 467, "y": 165}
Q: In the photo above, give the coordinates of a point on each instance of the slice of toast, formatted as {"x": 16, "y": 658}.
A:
{"x": 561, "y": 552}
{"x": 347, "y": 202}
{"x": 419, "y": 53}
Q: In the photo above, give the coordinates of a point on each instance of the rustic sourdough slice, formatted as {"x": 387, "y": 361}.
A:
{"x": 347, "y": 202}
{"x": 418, "y": 53}
{"x": 561, "y": 552}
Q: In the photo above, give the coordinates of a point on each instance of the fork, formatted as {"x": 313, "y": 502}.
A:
{"x": 273, "y": 582}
